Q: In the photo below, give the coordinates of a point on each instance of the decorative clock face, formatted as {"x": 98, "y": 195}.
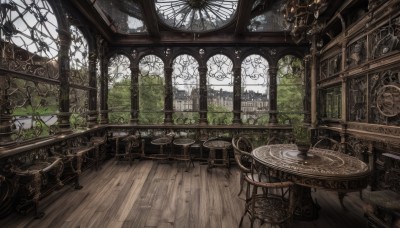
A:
{"x": 388, "y": 100}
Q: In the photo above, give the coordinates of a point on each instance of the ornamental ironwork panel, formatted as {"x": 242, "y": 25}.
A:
{"x": 255, "y": 90}
{"x": 356, "y": 52}
{"x": 186, "y": 84}
{"x": 151, "y": 90}
{"x": 220, "y": 90}
{"x": 324, "y": 70}
{"x": 357, "y": 99}
{"x": 384, "y": 105}
{"x": 29, "y": 38}
{"x": 119, "y": 82}
{"x": 79, "y": 107}
{"x": 34, "y": 106}
{"x": 385, "y": 39}
{"x": 79, "y": 58}
{"x": 334, "y": 64}
{"x": 331, "y": 103}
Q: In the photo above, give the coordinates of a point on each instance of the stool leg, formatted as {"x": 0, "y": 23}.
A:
{"x": 211, "y": 159}
{"x": 37, "y": 179}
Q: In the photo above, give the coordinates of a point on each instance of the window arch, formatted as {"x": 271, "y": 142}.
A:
{"x": 219, "y": 90}
{"x": 290, "y": 90}
{"x": 151, "y": 90}
{"x": 29, "y": 44}
{"x": 119, "y": 94}
{"x": 185, "y": 83}
{"x": 79, "y": 78}
{"x": 255, "y": 90}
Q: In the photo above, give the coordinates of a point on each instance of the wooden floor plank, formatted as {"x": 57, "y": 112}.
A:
{"x": 153, "y": 194}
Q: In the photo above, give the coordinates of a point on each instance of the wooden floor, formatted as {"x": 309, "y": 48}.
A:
{"x": 152, "y": 194}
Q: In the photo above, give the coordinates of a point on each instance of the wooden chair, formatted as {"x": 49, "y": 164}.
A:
{"x": 99, "y": 142}
{"x": 274, "y": 205}
{"x": 242, "y": 148}
{"x": 327, "y": 143}
{"x": 131, "y": 143}
{"x": 382, "y": 208}
{"x": 32, "y": 185}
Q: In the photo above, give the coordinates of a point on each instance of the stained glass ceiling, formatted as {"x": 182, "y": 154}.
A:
{"x": 124, "y": 15}
{"x": 271, "y": 20}
{"x": 142, "y": 22}
{"x": 196, "y": 15}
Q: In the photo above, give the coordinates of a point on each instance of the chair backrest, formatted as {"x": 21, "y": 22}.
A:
{"x": 283, "y": 189}
{"x": 327, "y": 143}
{"x": 242, "y": 148}
{"x": 130, "y": 142}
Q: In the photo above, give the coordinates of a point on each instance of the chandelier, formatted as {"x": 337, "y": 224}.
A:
{"x": 302, "y": 16}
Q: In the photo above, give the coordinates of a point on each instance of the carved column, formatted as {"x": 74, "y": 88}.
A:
{"x": 103, "y": 91}
{"x": 272, "y": 71}
{"x": 92, "y": 115}
{"x": 5, "y": 113}
{"x": 313, "y": 83}
{"x": 203, "y": 96}
{"x": 343, "y": 97}
{"x": 344, "y": 81}
{"x": 63, "y": 55}
{"x": 237, "y": 90}
{"x": 134, "y": 95}
{"x": 307, "y": 95}
{"x": 372, "y": 166}
{"x": 168, "y": 102}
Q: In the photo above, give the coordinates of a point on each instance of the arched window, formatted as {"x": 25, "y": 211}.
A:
{"x": 79, "y": 78}
{"x": 29, "y": 44}
{"x": 151, "y": 90}
{"x": 219, "y": 90}
{"x": 255, "y": 90}
{"x": 119, "y": 95}
{"x": 185, "y": 82}
{"x": 290, "y": 95}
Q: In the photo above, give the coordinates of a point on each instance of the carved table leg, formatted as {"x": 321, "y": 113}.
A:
{"x": 306, "y": 208}
{"x": 37, "y": 183}
{"x": 341, "y": 196}
{"x": 211, "y": 159}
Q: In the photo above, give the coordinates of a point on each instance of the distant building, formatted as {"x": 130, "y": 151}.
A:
{"x": 252, "y": 102}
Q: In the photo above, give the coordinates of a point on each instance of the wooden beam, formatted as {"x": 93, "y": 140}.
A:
{"x": 224, "y": 39}
{"x": 243, "y": 16}
{"x": 94, "y": 17}
{"x": 150, "y": 18}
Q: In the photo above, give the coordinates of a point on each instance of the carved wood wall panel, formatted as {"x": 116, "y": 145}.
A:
{"x": 358, "y": 99}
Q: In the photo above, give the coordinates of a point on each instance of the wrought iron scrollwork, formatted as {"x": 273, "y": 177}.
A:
{"x": 358, "y": 99}
{"x": 385, "y": 98}
{"x": 386, "y": 39}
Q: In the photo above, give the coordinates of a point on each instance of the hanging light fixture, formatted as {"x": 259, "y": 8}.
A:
{"x": 301, "y": 16}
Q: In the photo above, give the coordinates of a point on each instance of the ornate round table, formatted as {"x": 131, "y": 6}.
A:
{"x": 214, "y": 145}
{"x": 320, "y": 168}
{"x": 185, "y": 143}
{"x": 162, "y": 142}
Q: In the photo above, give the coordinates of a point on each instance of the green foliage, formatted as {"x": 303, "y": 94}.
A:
{"x": 28, "y": 110}
{"x": 119, "y": 99}
{"x": 185, "y": 117}
{"x": 77, "y": 121}
{"x": 151, "y": 100}
{"x": 291, "y": 94}
{"x": 219, "y": 115}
